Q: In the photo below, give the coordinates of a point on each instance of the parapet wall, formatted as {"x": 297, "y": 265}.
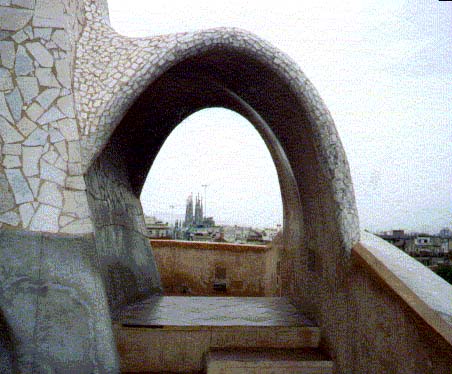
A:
{"x": 384, "y": 312}
{"x": 203, "y": 269}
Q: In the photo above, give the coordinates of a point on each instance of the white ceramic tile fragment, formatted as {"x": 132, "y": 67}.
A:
{"x": 45, "y": 219}
{"x": 19, "y": 185}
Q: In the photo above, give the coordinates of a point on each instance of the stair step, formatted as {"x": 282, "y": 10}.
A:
{"x": 268, "y": 361}
{"x": 175, "y": 333}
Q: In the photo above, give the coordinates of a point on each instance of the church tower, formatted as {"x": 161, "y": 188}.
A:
{"x": 198, "y": 211}
{"x": 189, "y": 211}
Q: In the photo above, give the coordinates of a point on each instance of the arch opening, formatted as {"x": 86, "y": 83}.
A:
{"x": 233, "y": 80}
{"x": 217, "y": 154}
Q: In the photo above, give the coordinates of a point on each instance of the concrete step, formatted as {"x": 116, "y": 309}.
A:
{"x": 175, "y": 333}
{"x": 268, "y": 361}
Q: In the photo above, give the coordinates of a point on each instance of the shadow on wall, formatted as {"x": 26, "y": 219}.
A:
{"x": 6, "y": 347}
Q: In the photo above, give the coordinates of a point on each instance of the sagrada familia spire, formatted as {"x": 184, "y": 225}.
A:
{"x": 198, "y": 217}
{"x": 189, "y": 211}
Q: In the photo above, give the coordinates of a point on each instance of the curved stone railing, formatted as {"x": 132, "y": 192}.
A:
{"x": 422, "y": 290}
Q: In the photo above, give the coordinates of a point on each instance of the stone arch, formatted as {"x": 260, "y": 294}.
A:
{"x": 320, "y": 220}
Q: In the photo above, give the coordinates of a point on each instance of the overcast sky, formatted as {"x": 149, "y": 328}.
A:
{"x": 384, "y": 69}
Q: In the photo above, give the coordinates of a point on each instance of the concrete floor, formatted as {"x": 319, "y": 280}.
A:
{"x": 167, "y": 311}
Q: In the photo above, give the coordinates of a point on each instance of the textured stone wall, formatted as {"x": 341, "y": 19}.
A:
{"x": 249, "y": 270}
{"x": 54, "y": 315}
{"x": 41, "y": 180}
{"x": 126, "y": 261}
{"x": 392, "y": 337}
{"x": 366, "y": 327}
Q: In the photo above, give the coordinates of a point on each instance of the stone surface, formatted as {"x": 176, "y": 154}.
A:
{"x": 45, "y": 219}
{"x": 76, "y": 183}
{"x": 15, "y": 103}
{"x": 6, "y": 82}
{"x": 7, "y": 200}
{"x": 63, "y": 72}
{"x": 50, "y": 194}
{"x": 10, "y": 161}
{"x": 24, "y": 3}
{"x": 268, "y": 361}
{"x": 256, "y": 275}
{"x": 40, "y": 53}
{"x": 51, "y": 173}
{"x": 166, "y": 311}
{"x": 57, "y": 137}
{"x": 46, "y": 78}
{"x": 74, "y": 150}
{"x": 19, "y": 185}
{"x": 181, "y": 330}
{"x": 13, "y": 19}
{"x": 47, "y": 97}
{"x": 56, "y": 273}
{"x": 34, "y": 111}
{"x": 37, "y": 137}
{"x": 49, "y": 13}
{"x": 12, "y": 149}
{"x": 25, "y": 126}
{"x": 34, "y": 185}
{"x": 43, "y": 32}
{"x": 31, "y": 156}
{"x": 4, "y": 111}
{"x": 28, "y": 87}
{"x": 61, "y": 39}
{"x": 7, "y": 54}
{"x": 8, "y": 133}
{"x": 66, "y": 105}
{"x": 10, "y": 218}
{"x": 26, "y": 213}
{"x": 52, "y": 115}
{"x": 20, "y": 36}
{"x": 24, "y": 63}
{"x": 68, "y": 127}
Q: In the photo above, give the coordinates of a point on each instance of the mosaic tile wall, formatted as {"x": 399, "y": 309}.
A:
{"x": 41, "y": 180}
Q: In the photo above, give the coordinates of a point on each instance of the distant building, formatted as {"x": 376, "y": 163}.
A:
{"x": 398, "y": 238}
{"x": 446, "y": 245}
{"x": 445, "y": 233}
{"x": 199, "y": 217}
{"x": 426, "y": 245}
{"x": 157, "y": 229}
{"x": 189, "y": 211}
{"x": 254, "y": 236}
{"x": 195, "y": 217}
{"x": 427, "y": 249}
{"x": 268, "y": 234}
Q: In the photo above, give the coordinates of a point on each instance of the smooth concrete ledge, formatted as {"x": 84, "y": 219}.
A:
{"x": 426, "y": 293}
{"x": 259, "y": 361}
{"x": 185, "y": 244}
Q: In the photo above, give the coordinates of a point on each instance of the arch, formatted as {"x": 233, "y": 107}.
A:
{"x": 320, "y": 222}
